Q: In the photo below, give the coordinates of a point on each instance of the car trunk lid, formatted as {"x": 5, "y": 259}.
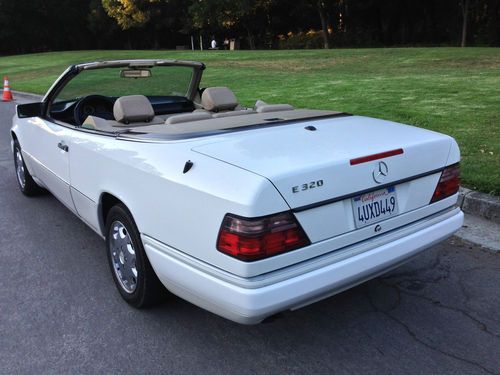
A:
{"x": 318, "y": 161}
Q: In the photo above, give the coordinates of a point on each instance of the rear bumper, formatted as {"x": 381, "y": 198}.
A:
{"x": 249, "y": 301}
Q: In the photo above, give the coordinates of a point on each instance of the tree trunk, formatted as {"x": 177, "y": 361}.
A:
{"x": 156, "y": 43}
{"x": 251, "y": 41}
{"x": 465, "y": 12}
{"x": 129, "y": 41}
{"x": 324, "y": 23}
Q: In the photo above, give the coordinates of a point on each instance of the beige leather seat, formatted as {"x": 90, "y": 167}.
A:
{"x": 98, "y": 123}
{"x": 237, "y": 112}
{"x": 215, "y": 99}
{"x": 186, "y": 117}
{"x": 135, "y": 110}
{"x": 222, "y": 102}
{"x": 129, "y": 111}
{"x": 263, "y": 107}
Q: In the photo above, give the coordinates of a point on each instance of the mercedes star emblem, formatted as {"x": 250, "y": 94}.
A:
{"x": 380, "y": 172}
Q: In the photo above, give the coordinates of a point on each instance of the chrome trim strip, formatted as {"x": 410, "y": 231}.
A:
{"x": 379, "y": 187}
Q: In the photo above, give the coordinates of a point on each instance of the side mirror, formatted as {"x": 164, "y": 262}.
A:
{"x": 29, "y": 110}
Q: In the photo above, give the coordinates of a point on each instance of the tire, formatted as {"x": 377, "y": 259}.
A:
{"x": 132, "y": 273}
{"x": 26, "y": 184}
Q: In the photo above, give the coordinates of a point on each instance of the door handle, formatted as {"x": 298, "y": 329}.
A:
{"x": 63, "y": 147}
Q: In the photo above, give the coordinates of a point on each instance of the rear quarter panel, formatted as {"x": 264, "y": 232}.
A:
{"x": 183, "y": 211}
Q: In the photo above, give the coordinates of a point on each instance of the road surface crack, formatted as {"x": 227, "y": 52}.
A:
{"x": 414, "y": 336}
{"x": 482, "y": 326}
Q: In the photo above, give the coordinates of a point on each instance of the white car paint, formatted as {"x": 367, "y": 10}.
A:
{"x": 50, "y": 164}
{"x": 289, "y": 156}
{"x": 251, "y": 173}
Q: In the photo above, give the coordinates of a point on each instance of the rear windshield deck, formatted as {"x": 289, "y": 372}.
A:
{"x": 200, "y": 128}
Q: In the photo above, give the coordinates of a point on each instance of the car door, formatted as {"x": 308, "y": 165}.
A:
{"x": 47, "y": 145}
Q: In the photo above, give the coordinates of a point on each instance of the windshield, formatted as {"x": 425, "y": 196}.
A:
{"x": 112, "y": 82}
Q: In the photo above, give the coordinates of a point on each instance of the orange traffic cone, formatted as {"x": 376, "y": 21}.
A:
{"x": 7, "y": 94}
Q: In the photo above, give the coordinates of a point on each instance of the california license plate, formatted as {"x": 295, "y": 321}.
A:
{"x": 375, "y": 206}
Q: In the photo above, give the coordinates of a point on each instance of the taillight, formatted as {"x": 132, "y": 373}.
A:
{"x": 448, "y": 183}
{"x": 253, "y": 239}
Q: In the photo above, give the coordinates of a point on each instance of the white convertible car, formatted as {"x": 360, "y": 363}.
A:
{"x": 245, "y": 212}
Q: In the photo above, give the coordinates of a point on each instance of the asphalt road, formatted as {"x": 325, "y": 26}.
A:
{"x": 60, "y": 312}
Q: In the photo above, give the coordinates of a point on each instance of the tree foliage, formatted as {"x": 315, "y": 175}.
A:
{"x": 81, "y": 24}
{"x": 130, "y": 13}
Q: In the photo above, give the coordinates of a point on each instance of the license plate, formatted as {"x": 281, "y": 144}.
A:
{"x": 375, "y": 206}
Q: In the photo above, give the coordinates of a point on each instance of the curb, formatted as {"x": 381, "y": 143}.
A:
{"x": 479, "y": 204}
{"x": 26, "y": 97}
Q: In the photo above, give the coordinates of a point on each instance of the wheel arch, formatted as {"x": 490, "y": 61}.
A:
{"x": 106, "y": 202}
{"x": 14, "y": 138}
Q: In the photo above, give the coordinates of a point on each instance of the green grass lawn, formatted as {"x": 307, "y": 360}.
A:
{"x": 450, "y": 90}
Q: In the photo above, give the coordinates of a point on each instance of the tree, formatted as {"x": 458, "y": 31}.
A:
{"x": 150, "y": 18}
{"x": 81, "y": 24}
{"x": 129, "y": 13}
{"x": 324, "y": 22}
{"x": 250, "y": 15}
{"x": 465, "y": 12}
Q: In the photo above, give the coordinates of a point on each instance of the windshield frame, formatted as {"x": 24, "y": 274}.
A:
{"x": 73, "y": 70}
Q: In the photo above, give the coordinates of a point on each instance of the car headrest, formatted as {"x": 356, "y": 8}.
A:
{"x": 133, "y": 108}
{"x": 218, "y": 99}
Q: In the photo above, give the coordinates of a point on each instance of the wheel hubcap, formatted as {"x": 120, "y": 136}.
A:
{"x": 18, "y": 160}
{"x": 123, "y": 256}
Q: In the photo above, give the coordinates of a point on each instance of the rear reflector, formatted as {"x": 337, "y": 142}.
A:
{"x": 259, "y": 238}
{"x": 380, "y": 155}
{"x": 448, "y": 183}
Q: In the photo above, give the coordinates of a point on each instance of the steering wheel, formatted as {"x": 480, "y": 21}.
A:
{"x": 93, "y": 105}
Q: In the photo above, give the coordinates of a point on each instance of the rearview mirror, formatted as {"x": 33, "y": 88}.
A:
{"x": 135, "y": 73}
{"x": 29, "y": 110}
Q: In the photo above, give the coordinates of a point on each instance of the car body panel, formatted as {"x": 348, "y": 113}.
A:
{"x": 341, "y": 213}
{"x": 48, "y": 162}
{"x": 291, "y": 156}
{"x": 161, "y": 197}
{"x": 245, "y": 304}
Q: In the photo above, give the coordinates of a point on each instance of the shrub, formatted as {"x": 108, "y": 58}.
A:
{"x": 309, "y": 40}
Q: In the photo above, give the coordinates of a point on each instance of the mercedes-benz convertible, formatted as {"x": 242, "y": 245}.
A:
{"x": 244, "y": 211}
